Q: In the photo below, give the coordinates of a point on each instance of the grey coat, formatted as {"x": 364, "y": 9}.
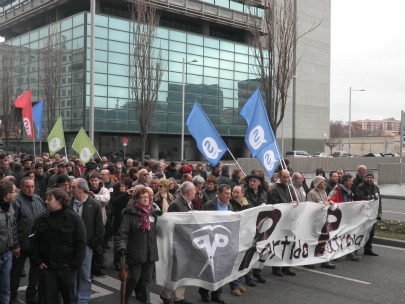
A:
{"x": 26, "y": 211}
{"x": 8, "y": 231}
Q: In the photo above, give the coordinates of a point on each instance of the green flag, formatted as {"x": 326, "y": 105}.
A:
{"x": 56, "y": 139}
{"x": 83, "y": 146}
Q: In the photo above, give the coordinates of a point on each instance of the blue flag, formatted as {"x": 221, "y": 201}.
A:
{"x": 208, "y": 140}
{"x": 37, "y": 115}
{"x": 269, "y": 157}
{"x": 259, "y": 133}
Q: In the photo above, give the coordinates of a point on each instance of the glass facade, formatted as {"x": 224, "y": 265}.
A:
{"x": 221, "y": 79}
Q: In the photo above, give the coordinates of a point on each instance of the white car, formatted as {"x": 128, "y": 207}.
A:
{"x": 320, "y": 154}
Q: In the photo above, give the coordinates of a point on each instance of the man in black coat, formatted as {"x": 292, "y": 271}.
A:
{"x": 59, "y": 247}
{"x": 367, "y": 190}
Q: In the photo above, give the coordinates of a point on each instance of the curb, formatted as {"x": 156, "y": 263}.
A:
{"x": 389, "y": 242}
{"x": 398, "y": 197}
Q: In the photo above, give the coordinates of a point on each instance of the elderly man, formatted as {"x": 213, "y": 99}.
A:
{"x": 220, "y": 203}
{"x": 90, "y": 212}
{"x": 182, "y": 203}
{"x": 282, "y": 192}
{"x": 8, "y": 238}
{"x": 106, "y": 179}
{"x": 368, "y": 190}
{"x": 360, "y": 175}
{"x": 143, "y": 178}
{"x": 297, "y": 180}
{"x": 27, "y": 207}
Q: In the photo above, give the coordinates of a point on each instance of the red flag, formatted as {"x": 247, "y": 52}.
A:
{"x": 24, "y": 101}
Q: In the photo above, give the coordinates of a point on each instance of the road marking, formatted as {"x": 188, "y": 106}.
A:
{"x": 390, "y": 247}
{"x": 336, "y": 276}
{"x": 114, "y": 284}
{"x": 393, "y": 212}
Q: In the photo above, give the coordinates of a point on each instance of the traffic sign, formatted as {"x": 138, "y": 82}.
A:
{"x": 124, "y": 141}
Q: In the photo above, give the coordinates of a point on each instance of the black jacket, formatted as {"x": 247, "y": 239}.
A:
{"x": 368, "y": 192}
{"x": 256, "y": 199}
{"x": 119, "y": 203}
{"x": 140, "y": 245}
{"x": 59, "y": 240}
{"x": 281, "y": 194}
{"x": 93, "y": 221}
{"x": 212, "y": 205}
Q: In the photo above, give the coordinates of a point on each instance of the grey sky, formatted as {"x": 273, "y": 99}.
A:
{"x": 368, "y": 52}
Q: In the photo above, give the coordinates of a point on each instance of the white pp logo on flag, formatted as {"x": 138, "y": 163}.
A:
{"x": 210, "y": 147}
{"x": 27, "y": 126}
{"x": 269, "y": 160}
{"x": 256, "y": 137}
{"x": 55, "y": 145}
{"x": 85, "y": 154}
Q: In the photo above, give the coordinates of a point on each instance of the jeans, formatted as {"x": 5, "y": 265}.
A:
{"x": 235, "y": 284}
{"x": 136, "y": 272}
{"x": 57, "y": 281}
{"x": 5, "y": 268}
{"x": 18, "y": 266}
{"x": 82, "y": 287}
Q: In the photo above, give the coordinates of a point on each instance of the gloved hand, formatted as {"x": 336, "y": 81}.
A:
{"x": 379, "y": 217}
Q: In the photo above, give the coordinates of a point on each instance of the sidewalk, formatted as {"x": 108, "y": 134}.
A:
{"x": 392, "y": 191}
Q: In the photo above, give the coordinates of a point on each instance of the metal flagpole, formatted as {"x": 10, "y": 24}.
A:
{"x": 33, "y": 142}
{"x": 66, "y": 153}
{"x": 236, "y": 162}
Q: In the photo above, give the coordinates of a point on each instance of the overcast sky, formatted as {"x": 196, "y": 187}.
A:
{"x": 368, "y": 52}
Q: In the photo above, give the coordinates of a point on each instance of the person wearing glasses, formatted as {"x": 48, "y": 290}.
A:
{"x": 163, "y": 198}
{"x": 136, "y": 239}
{"x": 143, "y": 178}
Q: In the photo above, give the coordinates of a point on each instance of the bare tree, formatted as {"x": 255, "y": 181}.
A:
{"x": 275, "y": 41}
{"x": 52, "y": 53}
{"x": 146, "y": 66}
{"x": 8, "y": 112}
{"x": 336, "y": 131}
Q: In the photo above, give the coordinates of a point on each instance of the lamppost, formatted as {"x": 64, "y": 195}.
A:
{"x": 183, "y": 102}
{"x": 350, "y": 114}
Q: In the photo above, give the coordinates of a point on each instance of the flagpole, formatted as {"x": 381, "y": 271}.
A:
{"x": 236, "y": 162}
{"x": 33, "y": 142}
{"x": 66, "y": 153}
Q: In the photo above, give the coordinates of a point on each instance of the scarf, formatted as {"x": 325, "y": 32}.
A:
{"x": 5, "y": 206}
{"x": 144, "y": 222}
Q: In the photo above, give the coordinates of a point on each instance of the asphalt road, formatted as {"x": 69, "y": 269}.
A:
{"x": 393, "y": 209}
{"x": 372, "y": 280}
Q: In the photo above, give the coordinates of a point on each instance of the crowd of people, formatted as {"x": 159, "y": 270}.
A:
{"x": 62, "y": 216}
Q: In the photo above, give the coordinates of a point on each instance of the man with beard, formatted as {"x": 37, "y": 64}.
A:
{"x": 8, "y": 238}
{"x": 27, "y": 207}
{"x": 367, "y": 190}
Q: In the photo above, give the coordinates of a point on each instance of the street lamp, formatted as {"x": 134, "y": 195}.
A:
{"x": 350, "y": 114}
{"x": 183, "y": 102}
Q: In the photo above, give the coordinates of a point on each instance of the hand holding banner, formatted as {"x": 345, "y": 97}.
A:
{"x": 208, "y": 140}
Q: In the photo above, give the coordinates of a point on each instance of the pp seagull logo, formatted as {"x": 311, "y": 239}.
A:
{"x": 203, "y": 242}
{"x": 256, "y": 137}
{"x": 269, "y": 160}
{"x": 210, "y": 148}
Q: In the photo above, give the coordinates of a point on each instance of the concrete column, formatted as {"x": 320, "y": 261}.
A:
{"x": 153, "y": 146}
{"x": 205, "y": 27}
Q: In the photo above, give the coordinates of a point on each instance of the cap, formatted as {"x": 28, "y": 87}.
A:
{"x": 187, "y": 169}
{"x": 61, "y": 163}
{"x": 318, "y": 180}
{"x": 172, "y": 164}
{"x": 369, "y": 173}
{"x": 91, "y": 166}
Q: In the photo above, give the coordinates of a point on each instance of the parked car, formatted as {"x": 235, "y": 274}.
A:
{"x": 341, "y": 154}
{"x": 373, "y": 155}
{"x": 320, "y": 154}
{"x": 297, "y": 153}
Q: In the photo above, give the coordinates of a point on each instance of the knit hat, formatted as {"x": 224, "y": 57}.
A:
{"x": 187, "y": 169}
{"x": 318, "y": 180}
{"x": 369, "y": 173}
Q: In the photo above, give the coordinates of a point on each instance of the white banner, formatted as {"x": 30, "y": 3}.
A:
{"x": 211, "y": 248}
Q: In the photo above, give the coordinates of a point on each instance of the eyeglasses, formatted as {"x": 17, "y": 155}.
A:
{"x": 144, "y": 197}
{"x": 160, "y": 186}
